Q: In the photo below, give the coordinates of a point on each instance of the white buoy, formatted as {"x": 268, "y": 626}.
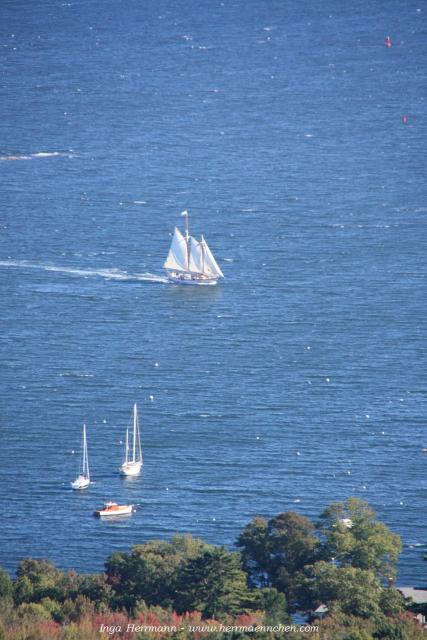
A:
{"x": 327, "y": 379}
{"x": 156, "y": 364}
{"x": 151, "y": 398}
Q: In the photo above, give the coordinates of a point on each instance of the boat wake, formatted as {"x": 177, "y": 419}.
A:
{"x": 107, "y": 274}
{"x": 39, "y": 154}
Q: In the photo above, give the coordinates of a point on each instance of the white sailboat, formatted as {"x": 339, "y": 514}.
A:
{"x": 83, "y": 479}
{"x": 190, "y": 261}
{"x": 132, "y": 464}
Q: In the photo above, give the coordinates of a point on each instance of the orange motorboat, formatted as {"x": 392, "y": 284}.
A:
{"x": 114, "y": 509}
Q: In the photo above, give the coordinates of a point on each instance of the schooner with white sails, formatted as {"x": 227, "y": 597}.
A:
{"x": 190, "y": 261}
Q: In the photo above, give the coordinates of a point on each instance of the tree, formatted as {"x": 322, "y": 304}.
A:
{"x": 275, "y": 553}
{"x": 150, "y": 571}
{"x": 6, "y": 584}
{"x": 352, "y": 536}
{"x": 214, "y": 584}
{"x": 292, "y": 547}
{"x": 352, "y": 591}
{"x": 254, "y": 543}
{"x": 273, "y": 603}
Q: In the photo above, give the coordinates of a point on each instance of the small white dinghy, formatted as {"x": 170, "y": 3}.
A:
{"x": 190, "y": 261}
{"x": 132, "y": 465}
{"x": 114, "y": 509}
{"x": 83, "y": 479}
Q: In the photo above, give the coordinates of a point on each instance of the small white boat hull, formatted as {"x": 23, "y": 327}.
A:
{"x": 80, "y": 483}
{"x": 131, "y": 468}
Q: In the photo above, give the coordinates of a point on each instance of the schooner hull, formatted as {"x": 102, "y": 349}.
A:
{"x": 192, "y": 281}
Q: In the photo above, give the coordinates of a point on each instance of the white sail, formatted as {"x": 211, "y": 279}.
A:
{"x": 177, "y": 257}
{"x": 210, "y": 265}
{"x": 196, "y": 256}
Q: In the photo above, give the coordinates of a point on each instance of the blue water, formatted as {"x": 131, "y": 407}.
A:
{"x": 278, "y": 125}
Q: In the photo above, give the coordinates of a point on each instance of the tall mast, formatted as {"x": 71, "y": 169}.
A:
{"x": 127, "y": 446}
{"x": 187, "y": 237}
{"x": 139, "y": 442}
{"x": 203, "y": 254}
{"x": 135, "y": 418}
{"x": 85, "y": 456}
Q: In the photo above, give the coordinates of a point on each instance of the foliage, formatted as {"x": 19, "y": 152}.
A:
{"x": 6, "y": 585}
{"x": 352, "y": 591}
{"x": 150, "y": 572}
{"x": 352, "y": 536}
{"x": 214, "y": 584}
{"x": 275, "y": 553}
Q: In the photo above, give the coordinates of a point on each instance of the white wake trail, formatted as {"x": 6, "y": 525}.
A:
{"x": 108, "y": 274}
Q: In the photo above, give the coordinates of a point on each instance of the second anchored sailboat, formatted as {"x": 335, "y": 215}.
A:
{"x": 83, "y": 479}
{"x": 190, "y": 261}
{"x": 133, "y": 463}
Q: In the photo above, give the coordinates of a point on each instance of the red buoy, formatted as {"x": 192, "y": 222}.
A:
{"x": 387, "y": 41}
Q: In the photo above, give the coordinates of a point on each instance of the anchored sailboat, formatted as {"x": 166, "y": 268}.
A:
{"x": 190, "y": 261}
{"x": 132, "y": 465}
{"x": 83, "y": 479}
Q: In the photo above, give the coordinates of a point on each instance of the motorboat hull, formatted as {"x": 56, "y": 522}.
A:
{"x": 124, "y": 510}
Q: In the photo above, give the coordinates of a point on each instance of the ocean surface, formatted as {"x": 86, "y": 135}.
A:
{"x": 297, "y": 141}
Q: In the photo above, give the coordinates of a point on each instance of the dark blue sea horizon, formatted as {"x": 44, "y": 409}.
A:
{"x": 296, "y": 139}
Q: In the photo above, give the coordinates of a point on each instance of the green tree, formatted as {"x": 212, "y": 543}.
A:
{"x": 255, "y": 549}
{"x": 292, "y": 547}
{"x": 401, "y": 628}
{"x": 349, "y": 590}
{"x": 6, "y": 585}
{"x": 150, "y": 571}
{"x": 96, "y": 589}
{"x": 352, "y": 535}
{"x": 214, "y": 584}
{"x": 273, "y": 603}
{"x": 275, "y": 553}
{"x": 37, "y": 579}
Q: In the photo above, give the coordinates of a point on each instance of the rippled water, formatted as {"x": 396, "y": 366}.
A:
{"x": 297, "y": 381}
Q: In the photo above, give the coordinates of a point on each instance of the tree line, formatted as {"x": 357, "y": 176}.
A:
{"x": 346, "y": 561}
